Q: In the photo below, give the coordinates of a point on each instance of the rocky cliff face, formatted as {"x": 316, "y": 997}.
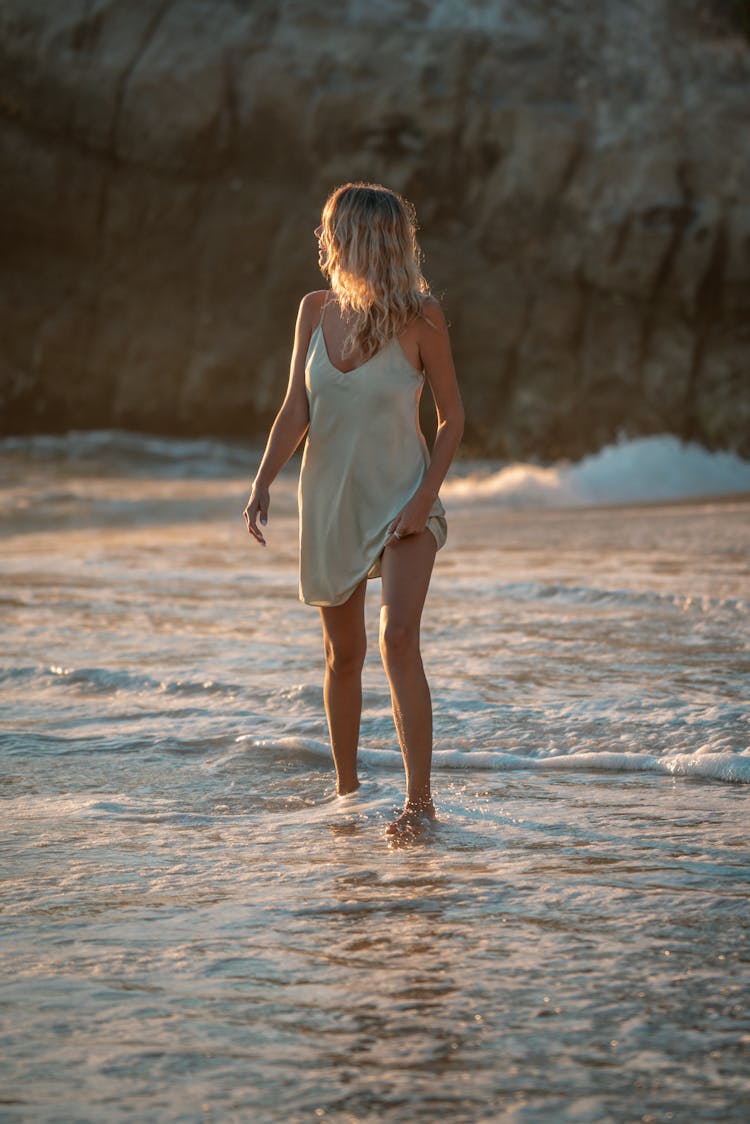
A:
{"x": 581, "y": 172}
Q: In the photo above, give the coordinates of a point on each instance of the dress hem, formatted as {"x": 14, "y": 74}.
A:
{"x": 440, "y": 534}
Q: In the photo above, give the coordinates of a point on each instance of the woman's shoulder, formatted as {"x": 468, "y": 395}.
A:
{"x": 431, "y": 311}
{"x": 313, "y": 302}
{"x": 310, "y": 309}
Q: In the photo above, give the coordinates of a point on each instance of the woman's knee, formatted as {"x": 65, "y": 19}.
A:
{"x": 345, "y": 656}
{"x": 399, "y": 639}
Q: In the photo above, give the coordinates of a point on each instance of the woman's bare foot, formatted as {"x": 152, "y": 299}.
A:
{"x": 417, "y": 814}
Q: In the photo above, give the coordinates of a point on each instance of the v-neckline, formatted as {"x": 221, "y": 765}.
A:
{"x": 352, "y": 370}
{"x": 361, "y": 366}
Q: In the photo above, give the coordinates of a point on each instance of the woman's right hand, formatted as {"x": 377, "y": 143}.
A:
{"x": 257, "y": 509}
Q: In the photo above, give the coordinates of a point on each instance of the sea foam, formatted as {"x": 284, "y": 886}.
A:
{"x": 647, "y": 469}
{"x": 704, "y": 762}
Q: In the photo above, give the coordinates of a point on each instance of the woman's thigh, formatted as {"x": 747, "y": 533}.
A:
{"x": 406, "y": 569}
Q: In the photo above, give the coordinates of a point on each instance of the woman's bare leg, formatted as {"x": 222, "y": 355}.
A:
{"x": 345, "y": 645}
{"x": 406, "y": 570}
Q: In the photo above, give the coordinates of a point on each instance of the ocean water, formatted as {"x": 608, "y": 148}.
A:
{"x": 195, "y": 928}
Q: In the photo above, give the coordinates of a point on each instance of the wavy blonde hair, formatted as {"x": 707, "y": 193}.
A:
{"x": 373, "y": 261}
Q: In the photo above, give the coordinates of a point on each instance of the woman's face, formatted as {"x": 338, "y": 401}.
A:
{"x": 318, "y": 232}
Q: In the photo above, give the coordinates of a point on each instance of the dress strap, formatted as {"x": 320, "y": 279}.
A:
{"x": 323, "y": 308}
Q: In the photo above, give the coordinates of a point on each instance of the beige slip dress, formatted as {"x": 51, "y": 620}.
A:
{"x": 364, "y": 458}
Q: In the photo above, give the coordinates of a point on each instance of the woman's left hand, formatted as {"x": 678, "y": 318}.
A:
{"x": 411, "y": 519}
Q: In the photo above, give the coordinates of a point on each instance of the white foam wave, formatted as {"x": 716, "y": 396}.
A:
{"x": 706, "y": 762}
{"x": 647, "y": 469}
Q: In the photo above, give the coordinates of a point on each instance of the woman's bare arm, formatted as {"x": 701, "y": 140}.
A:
{"x": 290, "y": 425}
{"x": 437, "y": 361}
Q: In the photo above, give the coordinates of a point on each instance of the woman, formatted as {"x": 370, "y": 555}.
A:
{"x": 368, "y": 490}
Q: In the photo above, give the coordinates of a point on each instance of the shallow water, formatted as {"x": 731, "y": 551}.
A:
{"x": 195, "y": 928}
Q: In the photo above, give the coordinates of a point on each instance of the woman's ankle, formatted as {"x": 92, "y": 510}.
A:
{"x": 344, "y": 788}
{"x": 419, "y": 803}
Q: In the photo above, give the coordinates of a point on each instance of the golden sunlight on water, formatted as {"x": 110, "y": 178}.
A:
{"x": 195, "y": 927}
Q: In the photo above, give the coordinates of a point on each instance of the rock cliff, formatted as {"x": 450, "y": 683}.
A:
{"x": 581, "y": 171}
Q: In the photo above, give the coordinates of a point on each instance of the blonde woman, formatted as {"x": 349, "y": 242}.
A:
{"x": 368, "y": 489}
